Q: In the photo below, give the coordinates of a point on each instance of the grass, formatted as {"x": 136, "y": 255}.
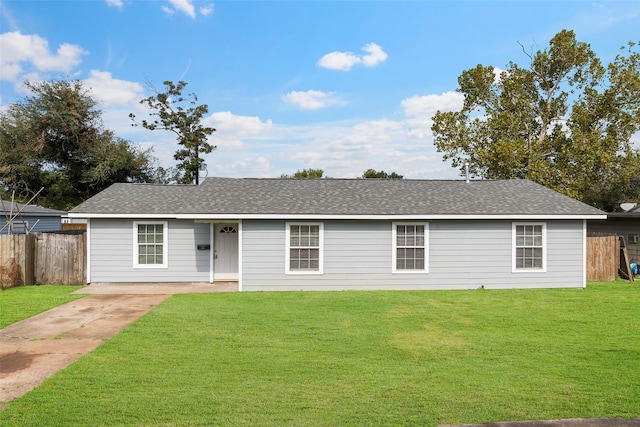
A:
{"x": 357, "y": 358}
{"x": 22, "y": 302}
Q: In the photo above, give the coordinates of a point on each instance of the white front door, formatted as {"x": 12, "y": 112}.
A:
{"x": 225, "y": 255}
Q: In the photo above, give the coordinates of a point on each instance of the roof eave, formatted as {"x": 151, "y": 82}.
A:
{"x": 317, "y": 217}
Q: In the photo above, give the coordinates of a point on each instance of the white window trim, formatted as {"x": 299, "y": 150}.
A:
{"x": 165, "y": 232}
{"x": 287, "y": 254}
{"x": 394, "y": 252}
{"x": 513, "y": 248}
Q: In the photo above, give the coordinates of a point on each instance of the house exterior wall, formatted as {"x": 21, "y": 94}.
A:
{"x": 111, "y": 253}
{"x": 462, "y": 255}
{"x": 36, "y": 224}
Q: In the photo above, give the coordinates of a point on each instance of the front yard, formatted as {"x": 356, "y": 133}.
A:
{"x": 20, "y": 303}
{"x": 357, "y": 358}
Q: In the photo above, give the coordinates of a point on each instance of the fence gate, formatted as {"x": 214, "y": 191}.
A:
{"x": 602, "y": 258}
{"x": 60, "y": 259}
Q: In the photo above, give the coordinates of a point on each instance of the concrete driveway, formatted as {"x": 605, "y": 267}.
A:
{"x": 36, "y": 348}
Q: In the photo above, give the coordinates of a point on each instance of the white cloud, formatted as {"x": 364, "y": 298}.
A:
{"x": 253, "y": 147}
{"x": 206, "y": 10}
{"x": 113, "y": 92}
{"x": 250, "y": 166}
{"x": 168, "y": 10}
{"x": 312, "y": 99}
{"x": 232, "y": 130}
{"x": 187, "y": 7}
{"x": 375, "y": 55}
{"x": 184, "y": 6}
{"x": 344, "y": 61}
{"x": 115, "y": 3}
{"x": 420, "y": 109}
{"x": 32, "y": 51}
{"x": 427, "y": 105}
{"x": 9, "y": 71}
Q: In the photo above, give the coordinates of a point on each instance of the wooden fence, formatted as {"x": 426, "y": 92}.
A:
{"x": 43, "y": 258}
{"x": 603, "y": 258}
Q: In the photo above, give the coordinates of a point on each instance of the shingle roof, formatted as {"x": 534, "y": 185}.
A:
{"x": 7, "y": 208}
{"x": 334, "y": 197}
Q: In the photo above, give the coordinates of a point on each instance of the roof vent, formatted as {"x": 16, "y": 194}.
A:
{"x": 466, "y": 171}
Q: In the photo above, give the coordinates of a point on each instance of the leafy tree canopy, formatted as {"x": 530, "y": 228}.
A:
{"x": 306, "y": 173}
{"x": 565, "y": 121}
{"x": 371, "y": 173}
{"x": 54, "y": 139}
{"x": 185, "y": 123}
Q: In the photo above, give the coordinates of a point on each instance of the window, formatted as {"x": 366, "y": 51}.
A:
{"x": 529, "y": 247}
{"x": 304, "y": 248}
{"x": 150, "y": 247}
{"x": 410, "y": 247}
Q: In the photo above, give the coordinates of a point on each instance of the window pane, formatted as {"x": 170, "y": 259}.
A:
{"x": 150, "y": 243}
{"x": 529, "y": 247}
{"x": 410, "y": 247}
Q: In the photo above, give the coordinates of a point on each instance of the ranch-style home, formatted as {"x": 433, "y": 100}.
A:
{"x": 335, "y": 234}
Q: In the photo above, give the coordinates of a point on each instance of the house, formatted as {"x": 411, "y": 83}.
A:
{"x": 625, "y": 224}
{"x": 333, "y": 234}
{"x": 16, "y": 218}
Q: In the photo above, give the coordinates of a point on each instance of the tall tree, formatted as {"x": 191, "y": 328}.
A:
{"x": 185, "y": 123}
{"x": 54, "y": 138}
{"x": 372, "y": 173}
{"x": 306, "y": 173}
{"x": 565, "y": 122}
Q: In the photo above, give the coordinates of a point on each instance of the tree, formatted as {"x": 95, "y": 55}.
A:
{"x": 565, "y": 122}
{"x": 54, "y": 138}
{"x": 371, "y": 173}
{"x": 185, "y": 123}
{"x": 306, "y": 173}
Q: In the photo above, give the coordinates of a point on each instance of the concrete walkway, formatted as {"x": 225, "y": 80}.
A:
{"x": 36, "y": 348}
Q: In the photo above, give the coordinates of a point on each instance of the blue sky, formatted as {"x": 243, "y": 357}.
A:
{"x": 341, "y": 86}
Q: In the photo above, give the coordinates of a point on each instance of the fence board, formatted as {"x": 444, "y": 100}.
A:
{"x": 602, "y": 258}
{"x": 16, "y": 260}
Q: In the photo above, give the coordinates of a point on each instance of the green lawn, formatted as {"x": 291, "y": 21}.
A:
{"x": 357, "y": 358}
{"x": 19, "y": 303}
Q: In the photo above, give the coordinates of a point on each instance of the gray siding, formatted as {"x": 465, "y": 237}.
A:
{"x": 111, "y": 251}
{"x": 462, "y": 255}
{"x": 36, "y": 224}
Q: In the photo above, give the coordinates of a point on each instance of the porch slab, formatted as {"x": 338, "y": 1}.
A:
{"x": 157, "y": 288}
